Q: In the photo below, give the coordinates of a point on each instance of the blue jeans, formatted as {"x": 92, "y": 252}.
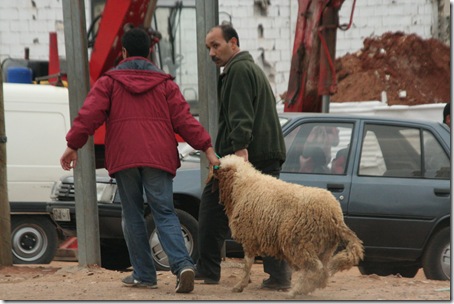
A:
{"x": 159, "y": 193}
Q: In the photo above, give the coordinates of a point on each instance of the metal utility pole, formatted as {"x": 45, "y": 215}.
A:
{"x": 207, "y": 16}
{"x": 6, "y": 256}
{"x": 87, "y": 221}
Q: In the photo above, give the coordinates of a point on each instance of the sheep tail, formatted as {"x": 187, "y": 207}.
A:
{"x": 351, "y": 255}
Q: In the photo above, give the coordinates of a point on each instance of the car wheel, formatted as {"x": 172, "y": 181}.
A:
{"x": 436, "y": 260}
{"x": 33, "y": 240}
{"x": 114, "y": 255}
{"x": 189, "y": 227}
{"x": 386, "y": 269}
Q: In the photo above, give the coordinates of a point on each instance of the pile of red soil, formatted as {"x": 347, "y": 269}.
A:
{"x": 395, "y": 62}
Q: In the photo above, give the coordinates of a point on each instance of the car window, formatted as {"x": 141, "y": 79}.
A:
{"x": 318, "y": 148}
{"x": 395, "y": 151}
{"x": 371, "y": 162}
{"x": 436, "y": 162}
{"x": 390, "y": 151}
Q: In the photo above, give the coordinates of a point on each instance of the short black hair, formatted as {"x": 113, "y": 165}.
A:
{"x": 342, "y": 152}
{"x": 228, "y": 32}
{"x": 136, "y": 42}
{"x": 446, "y": 111}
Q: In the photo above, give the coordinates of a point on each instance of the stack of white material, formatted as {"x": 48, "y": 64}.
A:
{"x": 433, "y": 111}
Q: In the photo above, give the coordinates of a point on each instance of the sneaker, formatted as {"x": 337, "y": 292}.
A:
{"x": 129, "y": 281}
{"x": 185, "y": 281}
{"x": 275, "y": 285}
{"x": 200, "y": 277}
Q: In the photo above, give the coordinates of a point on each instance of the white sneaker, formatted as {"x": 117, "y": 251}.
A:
{"x": 185, "y": 281}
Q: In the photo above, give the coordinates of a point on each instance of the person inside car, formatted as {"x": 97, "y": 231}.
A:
{"x": 340, "y": 161}
{"x": 316, "y": 154}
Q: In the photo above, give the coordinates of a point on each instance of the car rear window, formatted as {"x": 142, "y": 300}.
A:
{"x": 395, "y": 151}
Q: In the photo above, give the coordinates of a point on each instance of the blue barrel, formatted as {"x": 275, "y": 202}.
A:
{"x": 19, "y": 75}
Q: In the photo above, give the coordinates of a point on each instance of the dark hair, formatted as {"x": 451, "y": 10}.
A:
{"x": 446, "y": 111}
{"x": 342, "y": 152}
{"x": 228, "y": 32}
{"x": 137, "y": 42}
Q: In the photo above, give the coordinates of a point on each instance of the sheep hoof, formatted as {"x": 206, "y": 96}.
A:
{"x": 237, "y": 289}
{"x": 291, "y": 295}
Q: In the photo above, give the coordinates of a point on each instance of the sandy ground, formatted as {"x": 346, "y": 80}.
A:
{"x": 69, "y": 281}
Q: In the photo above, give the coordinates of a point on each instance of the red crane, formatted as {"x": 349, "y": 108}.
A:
{"x": 312, "y": 72}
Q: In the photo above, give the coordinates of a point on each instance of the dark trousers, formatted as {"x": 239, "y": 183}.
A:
{"x": 213, "y": 230}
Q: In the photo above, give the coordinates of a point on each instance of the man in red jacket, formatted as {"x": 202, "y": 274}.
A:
{"x": 143, "y": 109}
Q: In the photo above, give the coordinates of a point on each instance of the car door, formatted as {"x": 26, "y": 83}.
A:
{"x": 319, "y": 154}
{"x": 397, "y": 194}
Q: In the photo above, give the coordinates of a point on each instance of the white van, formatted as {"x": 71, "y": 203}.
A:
{"x": 36, "y": 121}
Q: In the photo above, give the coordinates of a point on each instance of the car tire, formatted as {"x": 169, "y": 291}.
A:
{"x": 386, "y": 269}
{"x": 189, "y": 228}
{"x": 34, "y": 240}
{"x": 436, "y": 261}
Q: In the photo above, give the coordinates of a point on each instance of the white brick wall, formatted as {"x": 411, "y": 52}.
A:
{"x": 27, "y": 23}
{"x": 23, "y": 24}
{"x": 375, "y": 17}
{"x": 277, "y": 38}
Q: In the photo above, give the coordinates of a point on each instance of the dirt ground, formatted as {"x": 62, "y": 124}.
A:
{"x": 393, "y": 63}
{"x": 68, "y": 281}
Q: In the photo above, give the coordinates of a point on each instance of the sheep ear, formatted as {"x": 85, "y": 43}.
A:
{"x": 226, "y": 178}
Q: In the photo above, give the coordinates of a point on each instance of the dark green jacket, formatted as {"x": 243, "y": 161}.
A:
{"x": 247, "y": 112}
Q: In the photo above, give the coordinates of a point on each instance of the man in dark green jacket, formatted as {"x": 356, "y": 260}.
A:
{"x": 248, "y": 127}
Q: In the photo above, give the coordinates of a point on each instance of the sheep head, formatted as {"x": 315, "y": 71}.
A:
{"x": 228, "y": 174}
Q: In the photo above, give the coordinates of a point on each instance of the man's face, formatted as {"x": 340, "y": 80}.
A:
{"x": 220, "y": 50}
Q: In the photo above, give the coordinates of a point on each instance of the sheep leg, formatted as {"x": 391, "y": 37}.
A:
{"x": 248, "y": 261}
{"x": 312, "y": 276}
{"x": 298, "y": 278}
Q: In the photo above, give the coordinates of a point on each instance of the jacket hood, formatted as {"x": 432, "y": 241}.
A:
{"x": 138, "y": 75}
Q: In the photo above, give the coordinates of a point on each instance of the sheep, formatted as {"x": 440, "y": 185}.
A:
{"x": 299, "y": 224}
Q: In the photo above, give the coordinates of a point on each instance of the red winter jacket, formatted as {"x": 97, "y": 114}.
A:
{"x": 143, "y": 109}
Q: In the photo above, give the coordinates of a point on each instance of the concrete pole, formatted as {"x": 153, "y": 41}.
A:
{"x": 6, "y": 256}
{"x": 87, "y": 221}
{"x": 207, "y": 16}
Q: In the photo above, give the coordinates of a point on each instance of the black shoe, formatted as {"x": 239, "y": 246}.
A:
{"x": 200, "y": 277}
{"x": 129, "y": 281}
{"x": 185, "y": 281}
{"x": 275, "y": 285}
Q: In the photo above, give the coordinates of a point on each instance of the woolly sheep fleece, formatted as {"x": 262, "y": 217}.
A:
{"x": 302, "y": 225}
